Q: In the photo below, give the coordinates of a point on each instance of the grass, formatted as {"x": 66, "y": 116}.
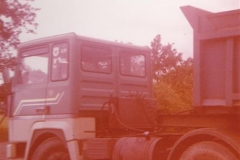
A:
{"x": 3, "y": 129}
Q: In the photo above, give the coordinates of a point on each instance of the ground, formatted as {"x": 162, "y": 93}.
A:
{"x": 2, "y": 151}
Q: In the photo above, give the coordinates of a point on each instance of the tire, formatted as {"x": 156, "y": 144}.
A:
{"x": 207, "y": 151}
{"x": 51, "y": 149}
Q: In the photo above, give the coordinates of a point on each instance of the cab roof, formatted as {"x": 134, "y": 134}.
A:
{"x": 72, "y": 35}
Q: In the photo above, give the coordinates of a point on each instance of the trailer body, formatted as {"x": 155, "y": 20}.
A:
{"x": 216, "y": 57}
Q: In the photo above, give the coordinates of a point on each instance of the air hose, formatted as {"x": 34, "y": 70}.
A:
{"x": 112, "y": 103}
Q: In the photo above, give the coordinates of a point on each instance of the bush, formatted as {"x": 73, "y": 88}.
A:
{"x": 3, "y": 134}
{"x": 3, "y": 129}
{"x": 168, "y": 99}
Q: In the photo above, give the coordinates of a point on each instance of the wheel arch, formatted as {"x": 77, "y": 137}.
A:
{"x": 40, "y": 135}
{"x": 228, "y": 138}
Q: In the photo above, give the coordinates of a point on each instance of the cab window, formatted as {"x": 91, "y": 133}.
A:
{"x": 59, "y": 65}
{"x": 132, "y": 64}
{"x": 95, "y": 59}
{"x": 34, "y": 66}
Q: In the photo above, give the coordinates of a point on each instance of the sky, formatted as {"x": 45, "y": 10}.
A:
{"x": 134, "y": 21}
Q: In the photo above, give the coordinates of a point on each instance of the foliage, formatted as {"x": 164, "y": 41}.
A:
{"x": 173, "y": 77}
{"x": 6, "y": 61}
{"x": 164, "y": 58}
{"x": 3, "y": 134}
{"x": 3, "y": 128}
{"x": 16, "y": 16}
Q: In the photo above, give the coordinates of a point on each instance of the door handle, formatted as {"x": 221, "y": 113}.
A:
{"x": 43, "y": 110}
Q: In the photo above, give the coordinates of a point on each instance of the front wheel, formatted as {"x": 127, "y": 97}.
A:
{"x": 51, "y": 149}
{"x": 208, "y": 151}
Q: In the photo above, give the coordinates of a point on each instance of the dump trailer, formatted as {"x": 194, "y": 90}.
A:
{"x": 80, "y": 98}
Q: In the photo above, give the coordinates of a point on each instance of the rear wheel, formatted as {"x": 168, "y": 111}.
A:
{"x": 208, "y": 151}
{"x": 51, "y": 149}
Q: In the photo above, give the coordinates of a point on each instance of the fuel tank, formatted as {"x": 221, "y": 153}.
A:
{"x": 139, "y": 148}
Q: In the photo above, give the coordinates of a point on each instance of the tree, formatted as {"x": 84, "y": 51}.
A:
{"x": 16, "y": 16}
{"x": 173, "y": 77}
{"x": 164, "y": 58}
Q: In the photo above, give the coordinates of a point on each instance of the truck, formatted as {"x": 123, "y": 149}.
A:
{"x": 79, "y": 98}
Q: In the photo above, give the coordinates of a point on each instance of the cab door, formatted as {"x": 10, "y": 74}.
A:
{"x": 59, "y": 86}
{"x": 30, "y": 82}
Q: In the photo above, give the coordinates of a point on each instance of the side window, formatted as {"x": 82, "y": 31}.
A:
{"x": 59, "y": 65}
{"x": 34, "y": 66}
{"x": 96, "y": 60}
{"x": 132, "y": 64}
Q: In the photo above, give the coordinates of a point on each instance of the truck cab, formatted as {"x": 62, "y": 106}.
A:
{"x": 69, "y": 74}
